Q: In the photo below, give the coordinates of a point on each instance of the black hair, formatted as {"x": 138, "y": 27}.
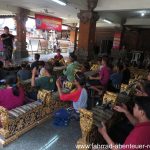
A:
{"x": 1, "y": 64}
{"x": 80, "y": 77}
{"x": 12, "y": 81}
{"x": 37, "y": 56}
{"x": 23, "y": 65}
{"x": 120, "y": 67}
{"x": 49, "y": 68}
{"x": 73, "y": 56}
{"x": 143, "y": 103}
{"x": 58, "y": 50}
{"x": 6, "y": 28}
{"x": 105, "y": 59}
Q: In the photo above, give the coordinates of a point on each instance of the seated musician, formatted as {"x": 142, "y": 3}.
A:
{"x": 58, "y": 57}
{"x": 24, "y": 73}
{"x": 70, "y": 70}
{"x": 13, "y": 95}
{"x": 116, "y": 77}
{"x": 143, "y": 91}
{"x": 140, "y": 135}
{"x": 36, "y": 62}
{"x": 85, "y": 67}
{"x": 104, "y": 74}
{"x": 78, "y": 96}
{"x": 47, "y": 82}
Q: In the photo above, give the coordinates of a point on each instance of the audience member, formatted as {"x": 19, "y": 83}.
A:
{"x": 7, "y": 40}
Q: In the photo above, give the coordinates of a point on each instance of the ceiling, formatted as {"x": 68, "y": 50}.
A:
{"x": 116, "y": 11}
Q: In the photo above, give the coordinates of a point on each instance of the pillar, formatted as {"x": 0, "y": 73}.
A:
{"x": 87, "y": 34}
{"x": 73, "y": 36}
{"x": 87, "y": 30}
{"x": 21, "y": 18}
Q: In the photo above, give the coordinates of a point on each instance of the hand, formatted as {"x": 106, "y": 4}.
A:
{"x": 58, "y": 82}
{"x": 123, "y": 108}
{"x": 34, "y": 71}
{"x": 102, "y": 130}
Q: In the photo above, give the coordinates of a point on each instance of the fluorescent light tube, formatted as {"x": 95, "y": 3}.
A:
{"x": 142, "y": 14}
{"x": 107, "y": 21}
{"x": 59, "y": 2}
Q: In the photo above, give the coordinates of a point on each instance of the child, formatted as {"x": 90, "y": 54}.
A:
{"x": 78, "y": 96}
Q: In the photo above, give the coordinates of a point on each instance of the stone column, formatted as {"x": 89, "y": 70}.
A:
{"x": 73, "y": 36}
{"x": 21, "y": 18}
{"x": 87, "y": 30}
{"x": 87, "y": 34}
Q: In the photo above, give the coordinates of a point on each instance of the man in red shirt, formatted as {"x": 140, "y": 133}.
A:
{"x": 139, "y": 138}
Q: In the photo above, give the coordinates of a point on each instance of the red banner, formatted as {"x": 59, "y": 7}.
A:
{"x": 117, "y": 39}
{"x": 48, "y": 23}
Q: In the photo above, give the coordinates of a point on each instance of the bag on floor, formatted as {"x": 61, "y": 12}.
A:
{"x": 61, "y": 118}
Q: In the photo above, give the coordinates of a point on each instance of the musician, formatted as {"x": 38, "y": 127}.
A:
{"x": 58, "y": 57}
{"x": 70, "y": 69}
{"x": 140, "y": 135}
{"x": 47, "y": 82}
{"x": 36, "y": 62}
{"x": 79, "y": 95}
{"x": 104, "y": 74}
{"x": 13, "y": 95}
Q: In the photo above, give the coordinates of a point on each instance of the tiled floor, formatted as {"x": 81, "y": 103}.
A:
{"x": 48, "y": 137}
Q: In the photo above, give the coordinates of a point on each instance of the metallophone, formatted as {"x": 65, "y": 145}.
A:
{"x": 21, "y": 119}
{"x": 91, "y": 120}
